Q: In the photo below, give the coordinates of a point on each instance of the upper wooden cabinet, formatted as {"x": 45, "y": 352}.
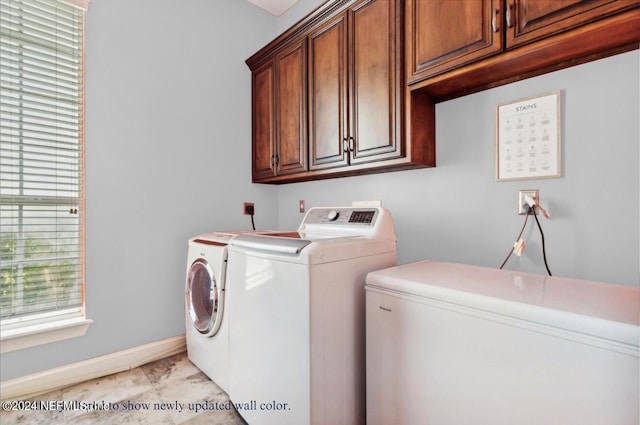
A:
{"x": 444, "y": 35}
{"x": 290, "y": 106}
{"x": 279, "y": 113}
{"x": 328, "y": 98}
{"x": 355, "y": 86}
{"x": 376, "y": 80}
{"x": 331, "y": 102}
{"x": 263, "y": 121}
{"x": 529, "y": 20}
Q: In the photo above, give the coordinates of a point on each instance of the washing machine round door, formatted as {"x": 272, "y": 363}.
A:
{"x": 204, "y": 298}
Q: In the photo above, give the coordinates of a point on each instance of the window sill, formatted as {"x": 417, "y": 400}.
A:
{"x": 43, "y": 333}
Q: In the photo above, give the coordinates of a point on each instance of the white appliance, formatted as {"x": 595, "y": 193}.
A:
{"x": 451, "y": 344}
{"x": 297, "y": 320}
{"x": 206, "y": 304}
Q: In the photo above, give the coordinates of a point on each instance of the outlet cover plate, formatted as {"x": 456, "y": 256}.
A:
{"x": 248, "y": 204}
{"x": 534, "y": 193}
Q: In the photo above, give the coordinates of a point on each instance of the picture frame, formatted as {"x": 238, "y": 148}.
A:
{"x": 528, "y": 142}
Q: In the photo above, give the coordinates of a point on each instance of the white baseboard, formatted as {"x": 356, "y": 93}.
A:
{"x": 60, "y": 377}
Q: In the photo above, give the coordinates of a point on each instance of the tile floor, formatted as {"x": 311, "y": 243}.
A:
{"x": 144, "y": 395}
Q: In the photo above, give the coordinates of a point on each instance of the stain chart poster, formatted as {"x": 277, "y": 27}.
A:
{"x": 528, "y": 138}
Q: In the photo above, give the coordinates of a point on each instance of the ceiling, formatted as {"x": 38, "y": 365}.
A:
{"x": 275, "y": 7}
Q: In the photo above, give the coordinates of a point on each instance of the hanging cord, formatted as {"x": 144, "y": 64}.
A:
{"x": 544, "y": 251}
{"x": 249, "y": 209}
{"x": 526, "y": 218}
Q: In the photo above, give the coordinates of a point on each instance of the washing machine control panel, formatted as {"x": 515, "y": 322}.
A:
{"x": 341, "y": 216}
{"x": 365, "y": 217}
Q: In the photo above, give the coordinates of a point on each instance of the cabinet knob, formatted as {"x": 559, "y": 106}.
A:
{"x": 494, "y": 20}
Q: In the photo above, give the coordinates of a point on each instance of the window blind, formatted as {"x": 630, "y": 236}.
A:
{"x": 41, "y": 160}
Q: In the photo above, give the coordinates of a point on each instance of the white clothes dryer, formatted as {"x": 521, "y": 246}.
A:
{"x": 297, "y": 320}
{"x": 206, "y": 303}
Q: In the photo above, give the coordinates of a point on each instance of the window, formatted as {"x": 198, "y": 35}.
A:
{"x": 41, "y": 164}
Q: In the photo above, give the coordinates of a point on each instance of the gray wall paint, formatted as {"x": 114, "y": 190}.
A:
{"x": 296, "y": 12}
{"x": 457, "y": 211}
{"x": 167, "y": 156}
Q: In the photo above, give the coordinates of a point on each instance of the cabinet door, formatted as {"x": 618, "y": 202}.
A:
{"x": 442, "y": 35}
{"x": 376, "y": 80}
{"x": 327, "y": 94}
{"x": 529, "y": 20}
{"x": 291, "y": 110}
{"x": 263, "y": 121}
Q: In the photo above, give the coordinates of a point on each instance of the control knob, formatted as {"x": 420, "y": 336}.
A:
{"x": 333, "y": 215}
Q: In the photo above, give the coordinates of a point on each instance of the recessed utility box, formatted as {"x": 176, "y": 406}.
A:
{"x": 522, "y": 202}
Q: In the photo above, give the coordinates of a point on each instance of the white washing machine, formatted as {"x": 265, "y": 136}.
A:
{"x": 206, "y": 304}
{"x": 297, "y": 319}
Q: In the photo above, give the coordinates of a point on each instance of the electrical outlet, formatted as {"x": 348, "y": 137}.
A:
{"x": 522, "y": 203}
{"x": 248, "y": 208}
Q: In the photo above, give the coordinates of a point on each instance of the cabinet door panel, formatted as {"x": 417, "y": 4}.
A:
{"x": 291, "y": 110}
{"x": 327, "y": 95}
{"x": 445, "y": 34}
{"x": 375, "y": 83}
{"x": 263, "y": 121}
{"x": 530, "y": 20}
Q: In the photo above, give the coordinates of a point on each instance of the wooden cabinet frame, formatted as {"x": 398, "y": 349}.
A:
{"x": 349, "y": 76}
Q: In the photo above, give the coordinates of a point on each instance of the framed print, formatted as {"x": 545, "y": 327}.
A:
{"x": 528, "y": 138}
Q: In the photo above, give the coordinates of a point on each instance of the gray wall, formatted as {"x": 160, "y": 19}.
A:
{"x": 458, "y": 212}
{"x": 168, "y": 157}
{"x": 296, "y": 12}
